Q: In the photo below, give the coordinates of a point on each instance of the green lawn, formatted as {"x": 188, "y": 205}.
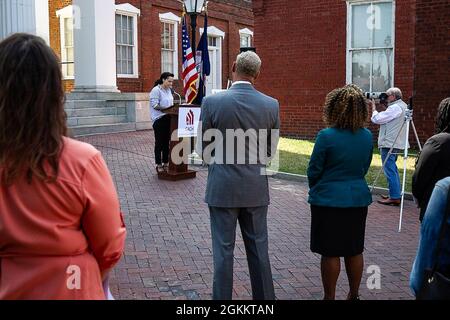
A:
{"x": 295, "y": 155}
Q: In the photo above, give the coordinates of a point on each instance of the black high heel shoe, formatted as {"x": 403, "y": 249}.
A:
{"x": 349, "y": 297}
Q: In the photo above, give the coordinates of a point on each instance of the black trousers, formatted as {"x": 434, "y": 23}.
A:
{"x": 161, "y": 127}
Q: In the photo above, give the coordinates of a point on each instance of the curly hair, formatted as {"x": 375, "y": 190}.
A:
{"x": 32, "y": 116}
{"x": 443, "y": 117}
{"x": 346, "y": 108}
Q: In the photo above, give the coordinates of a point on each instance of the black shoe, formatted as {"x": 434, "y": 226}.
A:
{"x": 390, "y": 202}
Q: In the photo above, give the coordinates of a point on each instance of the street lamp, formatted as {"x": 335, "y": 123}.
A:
{"x": 194, "y": 8}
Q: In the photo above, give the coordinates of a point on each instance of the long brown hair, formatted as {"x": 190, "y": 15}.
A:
{"x": 32, "y": 116}
{"x": 346, "y": 108}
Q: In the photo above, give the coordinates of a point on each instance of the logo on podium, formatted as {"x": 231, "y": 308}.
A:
{"x": 188, "y": 120}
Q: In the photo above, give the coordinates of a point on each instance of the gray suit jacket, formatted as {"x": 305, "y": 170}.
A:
{"x": 241, "y": 183}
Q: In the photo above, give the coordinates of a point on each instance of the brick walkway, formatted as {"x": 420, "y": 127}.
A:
{"x": 168, "y": 249}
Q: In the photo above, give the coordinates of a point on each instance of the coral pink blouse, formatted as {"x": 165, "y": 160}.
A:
{"x": 58, "y": 239}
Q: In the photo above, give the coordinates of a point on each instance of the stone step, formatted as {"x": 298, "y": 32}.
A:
{"x": 80, "y": 104}
{"x": 72, "y": 122}
{"x": 89, "y": 112}
{"x": 96, "y": 120}
{"x": 102, "y": 129}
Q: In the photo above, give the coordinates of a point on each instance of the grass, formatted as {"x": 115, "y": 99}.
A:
{"x": 295, "y": 155}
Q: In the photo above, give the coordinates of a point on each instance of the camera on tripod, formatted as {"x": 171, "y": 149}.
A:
{"x": 381, "y": 96}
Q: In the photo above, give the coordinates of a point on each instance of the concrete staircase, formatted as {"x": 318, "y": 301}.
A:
{"x": 94, "y": 115}
{"x": 88, "y": 117}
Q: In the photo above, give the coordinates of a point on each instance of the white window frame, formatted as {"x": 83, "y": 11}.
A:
{"x": 175, "y": 20}
{"x": 129, "y": 10}
{"x": 213, "y": 31}
{"x": 246, "y": 32}
{"x": 350, "y": 4}
{"x": 62, "y": 14}
{"x": 217, "y": 33}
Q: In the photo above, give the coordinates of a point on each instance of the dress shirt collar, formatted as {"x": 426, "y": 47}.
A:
{"x": 242, "y": 82}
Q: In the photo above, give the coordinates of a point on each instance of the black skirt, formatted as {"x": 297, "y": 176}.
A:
{"x": 338, "y": 232}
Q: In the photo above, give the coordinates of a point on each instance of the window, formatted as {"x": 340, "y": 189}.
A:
{"x": 124, "y": 45}
{"x": 169, "y": 43}
{"x": 214, "y": 81}
{"x": 370, "y": 54}
{"x": 126, "y": 41}
{"x": 67, "y": 49}
{"x": 168, "y": 58}
{"x": 246, "y": 36}
{"x": 67, "y": 52}
{"x": 246, "y": 41}
{"x": 215, "y": 39}
{"x": 212, "y": 41}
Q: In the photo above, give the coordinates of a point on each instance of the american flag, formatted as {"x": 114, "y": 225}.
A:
{"x": 189, "y": 74}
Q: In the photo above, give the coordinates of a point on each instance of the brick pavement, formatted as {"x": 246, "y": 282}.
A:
{"x": 168, "y": 249}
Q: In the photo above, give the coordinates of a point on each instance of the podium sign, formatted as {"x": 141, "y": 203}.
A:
{"x": 188, "y": 120}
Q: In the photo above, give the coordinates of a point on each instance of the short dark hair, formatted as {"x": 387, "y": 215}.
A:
{"x": 346, "y": 108}
{"x": 32, "y": 116}
{"x": 164, "y": 76}
{"x": 443, "y": 116}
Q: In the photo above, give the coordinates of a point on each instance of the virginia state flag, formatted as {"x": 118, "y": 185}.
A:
{"x": 203, "y": 64}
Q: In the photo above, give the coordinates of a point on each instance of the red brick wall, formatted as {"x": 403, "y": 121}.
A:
{"x": 432, "y": 71}
{"x": 303, "y": 47}
{"x": 227, "y": 15}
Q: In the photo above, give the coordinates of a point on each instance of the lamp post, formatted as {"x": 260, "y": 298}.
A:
{"x": 193, "y": 9}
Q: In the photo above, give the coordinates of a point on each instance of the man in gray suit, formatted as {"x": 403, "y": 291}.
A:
{"x": 242, "y": 121}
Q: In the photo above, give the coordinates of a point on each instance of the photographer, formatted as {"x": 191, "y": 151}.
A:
{"x": 392, "y": 134}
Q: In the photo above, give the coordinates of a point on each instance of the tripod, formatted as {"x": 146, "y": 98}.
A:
{"x": 408, "y": 122}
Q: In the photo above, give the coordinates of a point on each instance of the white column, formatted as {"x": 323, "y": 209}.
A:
{"x": 17, "y": 16}
{"x": 94, "y": 46}
{"x": 42, "y": 20}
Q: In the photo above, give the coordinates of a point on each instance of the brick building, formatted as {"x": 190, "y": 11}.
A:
{"x": 310, "y": 47}
{"x": 112, "y": 51}
{"x": 148, "y": 39}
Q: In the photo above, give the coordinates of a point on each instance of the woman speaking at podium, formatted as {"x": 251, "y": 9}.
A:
{"x": 161, "y": 98}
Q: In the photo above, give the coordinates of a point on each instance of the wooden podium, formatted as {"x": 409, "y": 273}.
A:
{"x": 181, "y": 171}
